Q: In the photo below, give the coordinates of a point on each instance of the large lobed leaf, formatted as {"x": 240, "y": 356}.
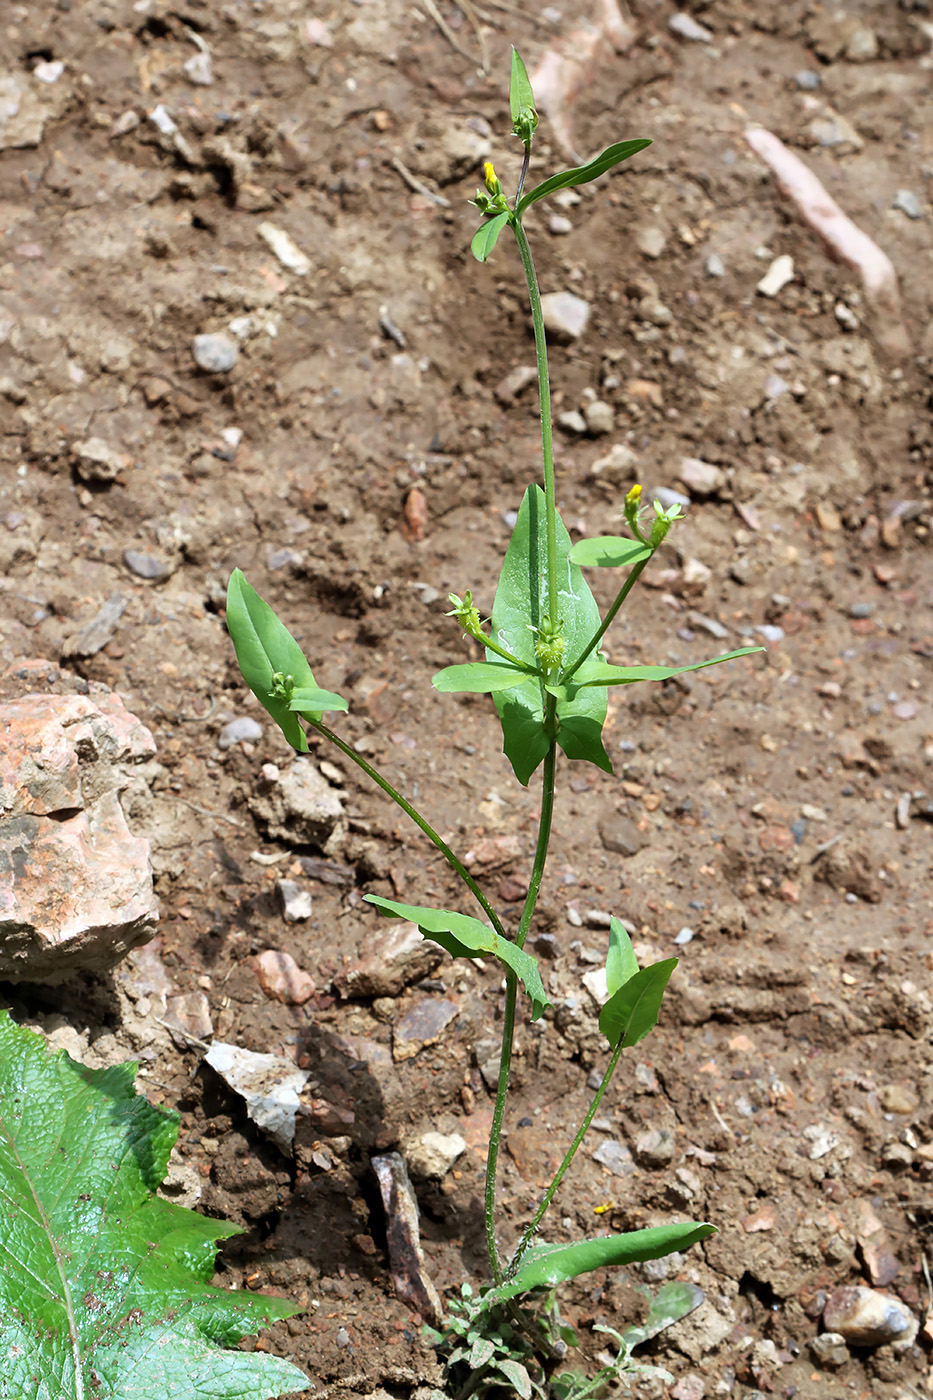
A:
{"x": 104, "y": 1288}
{"x": 520, "y": 606}
{"x": 466, "y": 937}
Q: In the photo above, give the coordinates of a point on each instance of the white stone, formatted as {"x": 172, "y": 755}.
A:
{"x": 433, "y": 1154}
{"x": 287, "y": 252}
{"x": 777, "y": 277}
{"x": 700, "y": 478}
{"x": 269, "y": 1086}
{"x": 565, "y": 315}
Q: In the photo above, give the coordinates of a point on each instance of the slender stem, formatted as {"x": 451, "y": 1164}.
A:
{"x": 597, "y": 636}
{"x": 536, "y": 1219}
{"x": 547, "y": 444}
{"x": 521, "y": 178}
{"x": 488, "y": 641}
{"x": 511, "y": 994}
{"x": 452, "y": 860}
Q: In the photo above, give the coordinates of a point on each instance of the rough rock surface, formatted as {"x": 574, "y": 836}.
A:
{"x": 75, "y": 883}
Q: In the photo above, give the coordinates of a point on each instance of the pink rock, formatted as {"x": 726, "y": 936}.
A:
{"x": 75, "y": 883}
{"x": 281, "y": 978}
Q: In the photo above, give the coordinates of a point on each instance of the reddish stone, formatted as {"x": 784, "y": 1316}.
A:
{"x": 415, "y": 515}
{"x": 776, "y": 838}
{"x": 282, "y": 979}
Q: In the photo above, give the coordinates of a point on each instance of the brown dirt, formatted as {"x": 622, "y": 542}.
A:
{"x": 805, "y": 993}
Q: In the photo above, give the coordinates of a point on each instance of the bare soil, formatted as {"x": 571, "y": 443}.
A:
{"x": 375, "y": 472}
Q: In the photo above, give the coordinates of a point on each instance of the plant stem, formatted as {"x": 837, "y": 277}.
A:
{"x": 452, "y": 860}
{"x": 597, "y": 637}
{"x": 536, "y": 1219}
{"x": 547, "y": 444}
{"x": 521, "y": 178}
{"x": 511, "y": 995}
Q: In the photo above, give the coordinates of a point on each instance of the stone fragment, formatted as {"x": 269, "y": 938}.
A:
{"x": 899, "y": 1098}
{"x": 94, "y": 635}
{"x": 215, "y": 352}
{"x": 515, "y": 383}
{"x": 620, "y": 834}
{"x": 614, "y": 1155}
{"x": 650, "y": 240}
{"x": 146, "y": 566}
{"x": 75, "y": 884}
{"x": 399, "y": 956}
{"x": 269, "y": 1085}
{"x": 243, "y": 730}
{"x": 597, "y": 985}
{"x": 710, "y": 625}
{"x": 300, "y": 805}
{"x": 835, "y": 132}
{"x": 829, "y": 1351}
{"x": 700, "y": 478}
{"x": 96, "y": 460}
{"x": 559, "y": 224}
{"x": 866, "y": 1318}
{"x": 433, "y": 1154}
{"x": 287, "y": 252}
{"x": 777, "y": 277}
{"x": 23, "y": 112}
{"x": 696, "y": 575}
{"x": 572, "y": 421}
{"x": 862, "y": 46}
{"x": 282, "y": 979}
{"x": 403, "y": 1237}
{"x": 655, "y": 1148}
{"x": 188, "y": 1014}
{"x": 294, "y": 901}
{"x": 565, "y": 316}
{"x": 600, "y": 418}
{"x": 908, "y": 203}
{"x": 326, "y": 1119}
{"x": 422, "y": 1026}
{"x": 714, "y": 266}
{"x": 686, "y": 27}
{"x": 617, "y": 467}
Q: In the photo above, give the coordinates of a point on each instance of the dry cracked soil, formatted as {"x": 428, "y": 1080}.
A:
{"x": 346, "y": 436}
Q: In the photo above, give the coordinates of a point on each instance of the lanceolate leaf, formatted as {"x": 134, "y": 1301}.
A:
{"x": 487, "y": 236}
{"x": 310, "y": 699}
{"x": 672, "y": 1301}
{"x": 520, "y": 607}
{"x": 621, "y": 962}
{"x": 632, "y": 1011}
{"x": 104, "y": 1288}
{"x": 465, "y": 937}
{"x": 265, "y": 649}
{"x": 600, "y": 673}
{"x": 582, "y": 174}
{"x": 609, "y": 552}
{"x": 480, "y": 678}
{"x": 521, "y": 94}
{"x": 547, "y": 1265}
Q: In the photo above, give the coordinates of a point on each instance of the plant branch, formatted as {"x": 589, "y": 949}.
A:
{"x": 606, "y": 623}
{"x": 452, "y": 860}
{"x": 549, "y": 1195}
{"x": 547, "y": 443}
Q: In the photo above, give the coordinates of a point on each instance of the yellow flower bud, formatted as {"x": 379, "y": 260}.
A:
{"x": 491, "y": 178}
{"x": 634, "y": 495}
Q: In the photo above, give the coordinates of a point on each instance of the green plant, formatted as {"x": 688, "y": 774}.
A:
{"x": 105, "y": 1289}
{"x": 549, "y": 681}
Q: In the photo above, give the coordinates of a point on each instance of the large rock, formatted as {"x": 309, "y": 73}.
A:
{"x": 75, "y": 884}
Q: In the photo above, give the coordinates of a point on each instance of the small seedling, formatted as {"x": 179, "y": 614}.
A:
{"x": 549, "y": 681}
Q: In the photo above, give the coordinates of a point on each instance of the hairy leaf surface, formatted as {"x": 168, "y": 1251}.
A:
{"x": 104, "y": 1288}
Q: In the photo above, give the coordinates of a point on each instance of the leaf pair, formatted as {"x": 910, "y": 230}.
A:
{"x": 273, "y": 664}
{"x": 466, "y": 937}
{"x": 635, "y": 994}
{"x": 104, "y": 1288}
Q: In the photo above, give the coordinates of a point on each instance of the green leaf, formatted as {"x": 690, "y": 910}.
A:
{"x": 582, "y": 174}
{"x": 466, "y": 937}
{"x": 609, "y": 552}
{"x": 265, "y": 649}
{"x": 312, "y": 700}
{"x": 520, "y": 606}
{"x": 600, "y": 673}
{"x": 621, "y": 962}
{"x": 104, "y": 1288}
{"x": 487, "y": 236}
{"x": 516, "y": 1373}
{"x": 632, "y": 1011}
{"x": 479, "y": 678}
{"x": 547, "y": 1265}
{"x": 521, "y": 94}
{"x": 481, "y": 1351}
{"x": 673, "y": 1301}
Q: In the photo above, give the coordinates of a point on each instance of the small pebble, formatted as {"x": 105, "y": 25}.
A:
{"x": 867, "y": 1318}
{"x": 650, "y": 240}
{"x": 700, "y": 478}
{"x": 294, "y": 901}
{"x": 655, "y": 1148}
{"x": 559, "y": 224}
{"x": 686, "y": 935}
{"x": 807, "y": 80}
{"x": 96, "y": 460}
{"x": 861, "y": 609}
{"x": 829, "y": 1351}
{"x": 899, "y": 1098}
{"x": 244, "y": 730}
{"x": 433, "y": 1154}
{"x": 599, "y": 417}
{"x": 686, "y": 27}
{"x": 905, "y": 709}
{"x": 565, "y": 316}
{"x": 216, "y": 352}
{"x": 770, "y": 632}
{"x": 282, "y": 979}
{"x": 615, "y": 1156}
{"x": 908, "y": 203}
{"x": 666, "y": 497}
{"x": 902, "y": 812}
{"x": 714, "y": 266}
{"x": 845, "y": 316}
{"x": 145, "y": 566}
{"x": 572, "y": 421}
{"x": 777, "y": 277}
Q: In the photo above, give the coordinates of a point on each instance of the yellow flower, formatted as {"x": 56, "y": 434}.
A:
{"x": 491, "y": 178}
{"x": 634, "y": 495}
